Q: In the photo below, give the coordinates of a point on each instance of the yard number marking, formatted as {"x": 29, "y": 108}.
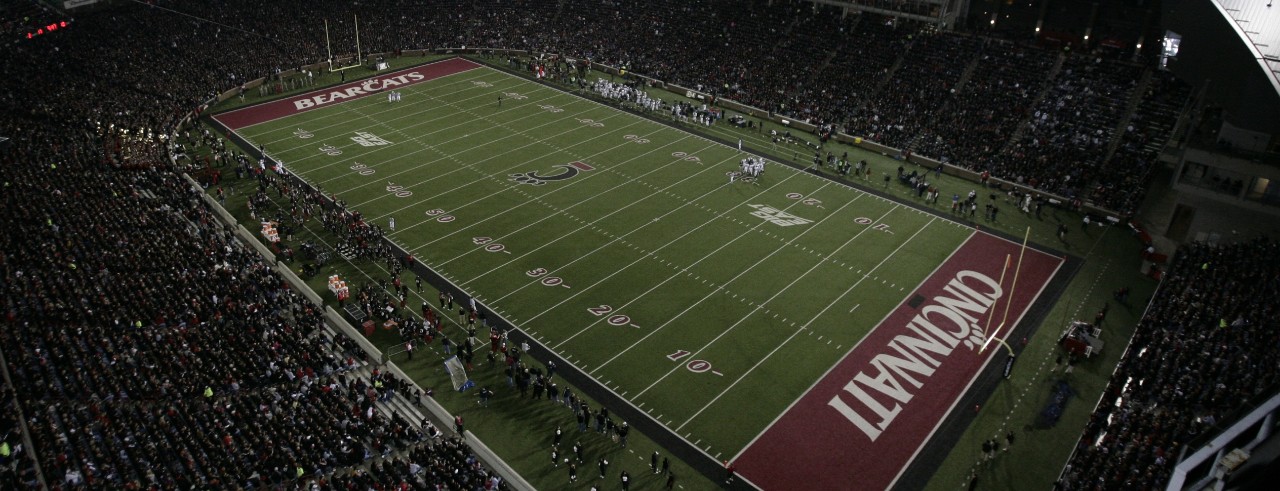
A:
{"x": 808, "y": 201}
{"x": 440, "y": 216}
{"x": 883, "y": 227}
{"x": 686, "y": 157}
{"x": 695, "y": 366}
{"x": 362, "y": 169}
{"x": 613, "y": 320}
{"x": 548, "y": 280}
{"x": 398, "y": 190}
{"x": 490, "y": 245}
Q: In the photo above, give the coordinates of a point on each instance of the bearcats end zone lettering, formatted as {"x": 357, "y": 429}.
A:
{"x": 237, "y": 119}
{"x": 365, "y": 88}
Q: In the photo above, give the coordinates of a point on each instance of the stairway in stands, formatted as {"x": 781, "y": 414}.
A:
{"x": 1044, "y": 91}
{"x": 1134, "y": 99}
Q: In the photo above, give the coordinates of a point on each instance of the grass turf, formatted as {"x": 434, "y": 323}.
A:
{"x": 660, "y": 239}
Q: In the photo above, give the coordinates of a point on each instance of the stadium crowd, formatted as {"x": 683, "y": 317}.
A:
{"x": 1206, "y": 348}
{"x": 891, "y": 81}
{"x": 129, "y": 312}
{"x": 150, "y": 349}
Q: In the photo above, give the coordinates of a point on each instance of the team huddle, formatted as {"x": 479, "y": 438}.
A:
{"x": 751, "y": 167}
{"x": 626, "y": 93}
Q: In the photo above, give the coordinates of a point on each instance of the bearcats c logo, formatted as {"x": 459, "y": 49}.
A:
{"x": 570, "y": 170}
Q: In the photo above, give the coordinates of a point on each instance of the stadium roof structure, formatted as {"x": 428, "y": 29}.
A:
{"x": 1257, "y": 23}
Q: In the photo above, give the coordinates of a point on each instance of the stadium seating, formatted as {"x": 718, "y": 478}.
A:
{"x": 1205, "y": 350}
{"x": 129, "y": 312}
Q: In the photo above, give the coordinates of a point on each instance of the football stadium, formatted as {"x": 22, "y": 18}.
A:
{"x": 611, "y": 244}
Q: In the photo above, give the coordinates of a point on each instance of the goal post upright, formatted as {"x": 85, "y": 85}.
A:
{"x": 328, "y": 49}
{"x": 987, "y": 328}
{"x": 993, "y": 335}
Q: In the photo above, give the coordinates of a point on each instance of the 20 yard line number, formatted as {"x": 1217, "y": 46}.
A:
{"x": 614, "y": 319}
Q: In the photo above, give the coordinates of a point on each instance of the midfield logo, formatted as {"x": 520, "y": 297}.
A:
{"x": 778, "y": 217}
{"x": 532, "y": 178}
{"x": 366, "y": 139}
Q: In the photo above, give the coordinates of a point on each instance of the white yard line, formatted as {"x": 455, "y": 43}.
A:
{"x": 806, "y": 324}
{"x": 490, "y": 176}
{"x": 634, "y": 262}
{"x": 976, "y": 373}
{"x": 735, "y": 278}
{"x": 584, "y": 225}
{"x": 563, "y": 210}
{"x": 353, "y": 82}
{"x": 851, "y": 349}
{"x": 352, "y": 109}
{"x": 560, "y": 210}
{"x": 449, "y": 155}
{"x": 323, "y": 113}
{"x": 685, "y": 269}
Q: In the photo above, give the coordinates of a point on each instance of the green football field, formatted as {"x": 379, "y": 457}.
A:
{"x": 620, "y": 243}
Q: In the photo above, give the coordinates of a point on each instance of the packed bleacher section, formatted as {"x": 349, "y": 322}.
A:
{"x": 783, "y": 57}
{"x": 989, "y": 106}
{"x": 151, "y": 349}
{"x": 1206, "y": 348}
{"x": 1140, "y": 143}
{"x": 863, "y": 60}
{"x": 1065, "y": 141}
{"x": 914, "y": 96}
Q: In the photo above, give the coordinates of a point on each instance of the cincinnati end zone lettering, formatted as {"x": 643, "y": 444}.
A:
{"x": 951, "y": 319}
{"x": 368, "y": 87}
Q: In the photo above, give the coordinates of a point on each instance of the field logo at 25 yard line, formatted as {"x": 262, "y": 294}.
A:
{"x": 568, "y": 171}
{"x": 367, "y": 139}
{"x": 778, "y": 217}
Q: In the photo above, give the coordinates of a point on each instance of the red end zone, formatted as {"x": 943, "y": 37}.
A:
{"x": 863, "y": 422}
{"x": 261, "y": 113}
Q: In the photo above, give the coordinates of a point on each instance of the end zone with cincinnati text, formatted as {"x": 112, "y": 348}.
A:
{"x": 863, "y": 422}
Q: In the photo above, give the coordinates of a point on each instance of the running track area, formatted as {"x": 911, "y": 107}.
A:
{"x": 261, "y": 113}
{"x": 863, "y": 422}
